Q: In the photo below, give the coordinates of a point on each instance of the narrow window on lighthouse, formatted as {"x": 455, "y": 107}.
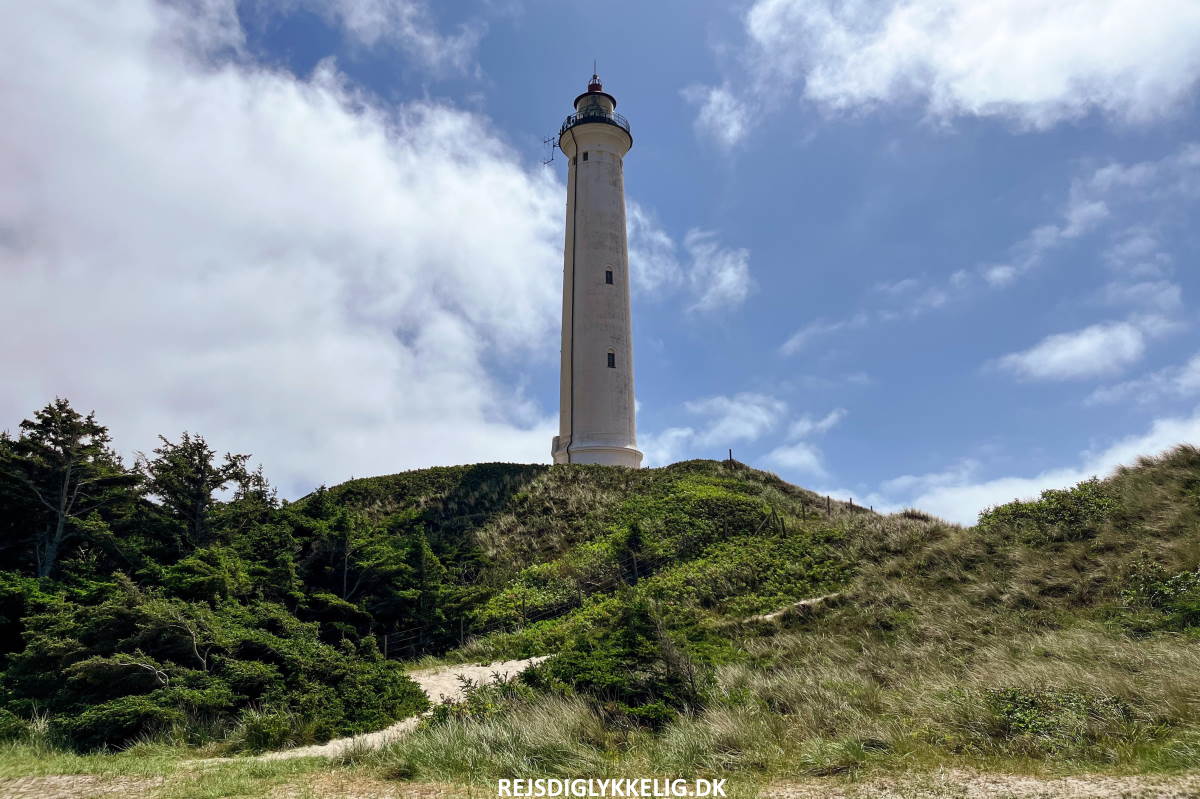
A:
{"x": 585, "y": 156}
{"x": 612, "y": 360}
{"x": 608, "y": 276}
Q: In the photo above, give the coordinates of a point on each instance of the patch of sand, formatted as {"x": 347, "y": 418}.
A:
{"x": 441, "y": 683}
{"x": 961, "y": 784}
{"x": 77, "y": 786}
{"x": 339, "y": 785}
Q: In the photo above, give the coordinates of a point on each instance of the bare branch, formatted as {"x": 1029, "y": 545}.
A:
{"x": 161, "y": 676}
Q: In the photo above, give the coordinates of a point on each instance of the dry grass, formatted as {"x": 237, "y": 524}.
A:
{"x": 983, "y": 648}
{"x": 954, "y": 653}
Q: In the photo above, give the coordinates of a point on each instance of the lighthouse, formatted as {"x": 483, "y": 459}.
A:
{"x": 596, "y": 406}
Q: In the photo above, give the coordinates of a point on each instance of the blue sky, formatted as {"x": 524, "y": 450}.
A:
{"x": 913, "y": 252}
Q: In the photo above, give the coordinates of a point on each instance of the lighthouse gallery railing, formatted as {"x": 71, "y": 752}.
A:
{"x": 595, "y": 115}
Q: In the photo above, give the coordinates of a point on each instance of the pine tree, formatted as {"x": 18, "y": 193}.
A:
{"x": 185, "y": 478}
{"x": 64, "y": 467}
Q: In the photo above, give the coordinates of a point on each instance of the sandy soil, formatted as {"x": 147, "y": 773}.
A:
{"x": 943, "y": 784}
{"x": 795, "y": 607}
{"x": 959, "y": 784}
{"x": 350, "y": 786}
{"x": 439, "y": 684}
{"x": 78, "y": 786}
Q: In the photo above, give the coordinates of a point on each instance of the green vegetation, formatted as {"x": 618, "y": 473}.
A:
{"x": 135, "y": 602}
{"x": 176, "y": 602}
{"x": 1058, "y": 635}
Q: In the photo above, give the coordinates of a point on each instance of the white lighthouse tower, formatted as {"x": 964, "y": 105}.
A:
{"x": 596, "y": 409}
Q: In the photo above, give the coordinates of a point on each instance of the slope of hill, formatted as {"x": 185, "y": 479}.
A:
{"x": 544, "y": 543}
{"x": 701, "y": 618}
{"x": 1059, "y": 633}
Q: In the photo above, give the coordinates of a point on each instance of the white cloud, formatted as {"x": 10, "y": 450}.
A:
{"x": 722, "y": 116}
{"x": 667, "y": 447}
{"x": 283, "y": 265}
{"x": 1033, "y": 62}
{"x": 799, "y": 457}
{"x": 806, "y": 425}
{"x": 716, "y": 277}
{"x": 1000, "y": 275}
{"x": 923, "y": 483}
{"x": 1137, "y": 253}
{"x": 1170, "y": 383}
{"x": 1160, "y": 297}
{"x": 954, "y": 495}
{"x": 1177, "y": 174}
{"x": 743, "y": 417}
{"x": 1096, "y": 350}
{"x": 1101, "y": 194}
{"x": 1084, "y": 211}
{"x": 719, "y": 276}
{"x": 899, "y": 287}
{"x": 913, "y": 297}
{"x": 725, "y": 421}
{"x": 407, "y": 24}
{"x": 1113, "y": 192}
{"x": 653, "y": 265}
{"x": 802, "y": 457}
{"x": 820, "y": 328}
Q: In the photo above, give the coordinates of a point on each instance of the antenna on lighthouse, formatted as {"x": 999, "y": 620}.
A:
{"x": 551, "y": 144}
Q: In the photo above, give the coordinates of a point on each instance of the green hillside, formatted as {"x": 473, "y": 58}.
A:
{"x": 545, "y": 546}
{"x": 1061, "y": 632}
{"x": 702, "y": 617}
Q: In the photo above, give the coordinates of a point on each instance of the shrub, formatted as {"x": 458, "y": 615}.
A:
{"x": 1051, "y": 720}
{"x": 262, "y": 730}
{"x": 119, "y": 721}
{"x": 480, "y": 702}
{"x": 207, "y": 574}
{"x": 1175, "y": 597}
{"x": 629, "y": 664}
{"x": 12, "y": 726}
{"x": 1072, "y": 514}
{"x": 138, "y": 662}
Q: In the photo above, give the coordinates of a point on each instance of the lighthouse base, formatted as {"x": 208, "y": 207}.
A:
{"x": 603, "y": 454}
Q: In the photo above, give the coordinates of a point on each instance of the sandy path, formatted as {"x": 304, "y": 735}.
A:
{"x": 963, "y": 784}
{"x": 795, "y": 607}
{"x": 438, "y": 684}
{"x": 939, "y": 784}
{"x": 78, "y": 786}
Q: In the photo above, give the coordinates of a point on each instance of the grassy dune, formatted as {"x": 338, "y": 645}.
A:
{"x": 1058, "y": 636}
{"x": 1055, "y": 636}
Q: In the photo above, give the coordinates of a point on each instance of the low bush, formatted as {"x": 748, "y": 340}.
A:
{"x": 12, "y": 726}
{"x": 1047, "y": 720}
{"x": 1071, "y": 514}
{"x": 630, "y": 665}
{"x": 140, "y": 663}
{"x": 1173, "y": 599}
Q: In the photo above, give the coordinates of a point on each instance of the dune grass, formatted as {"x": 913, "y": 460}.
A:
{"x": 1057, "y": 636}
{"x": 1029, "y": 643}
